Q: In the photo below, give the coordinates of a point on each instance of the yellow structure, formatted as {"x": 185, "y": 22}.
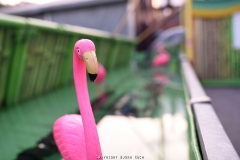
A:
{"x": 188, "y": 16}
{"x": 216, "y": 13}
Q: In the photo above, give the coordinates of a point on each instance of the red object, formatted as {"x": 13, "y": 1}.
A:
{"x": 161, "y": 78}
{"x": 162, "y": 58}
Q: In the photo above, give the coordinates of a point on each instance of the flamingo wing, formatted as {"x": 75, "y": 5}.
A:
{"x": 69, "y": 136}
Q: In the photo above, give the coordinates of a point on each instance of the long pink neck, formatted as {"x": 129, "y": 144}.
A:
{"x": 93, "y": 148}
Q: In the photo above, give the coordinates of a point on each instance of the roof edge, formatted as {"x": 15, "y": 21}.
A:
{"x": 30, "y": 10}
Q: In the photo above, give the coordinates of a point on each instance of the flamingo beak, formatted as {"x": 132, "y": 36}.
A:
{"x": 91, "y": 62}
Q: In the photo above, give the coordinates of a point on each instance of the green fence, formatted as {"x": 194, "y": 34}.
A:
{"x": 217, "y": 62}
{"x": 36, "y": 55}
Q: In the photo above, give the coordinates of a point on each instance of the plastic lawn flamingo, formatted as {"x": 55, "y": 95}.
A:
{"x": 101, "y": 74}
{"x": 76, "y": 135}
{"x": 162, "y": 58}
{"x": 100, "y": 79}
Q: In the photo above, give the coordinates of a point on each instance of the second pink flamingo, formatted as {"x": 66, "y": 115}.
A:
{"x": 162, "y": 58}
{"x": 101, "y": 74}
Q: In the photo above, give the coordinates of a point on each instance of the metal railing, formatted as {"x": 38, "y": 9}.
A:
{"x": 36, "y": 55}
{"x": 214, "y": 142}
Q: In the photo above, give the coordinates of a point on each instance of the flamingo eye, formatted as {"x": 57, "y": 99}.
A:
{"x": 78, "y": 50}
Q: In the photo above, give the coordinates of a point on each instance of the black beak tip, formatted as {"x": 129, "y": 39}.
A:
{"x": 92, "y": 77}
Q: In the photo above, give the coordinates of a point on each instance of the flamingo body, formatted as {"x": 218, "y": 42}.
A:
{"x": 68, "y": 129}
{"x": 162, "y": 58}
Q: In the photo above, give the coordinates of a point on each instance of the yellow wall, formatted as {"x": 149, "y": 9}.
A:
{"x": 188, "y": 16}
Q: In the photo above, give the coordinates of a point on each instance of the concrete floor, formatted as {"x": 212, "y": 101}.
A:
{"x": 160, "y": 138}
{"x": 150, "y": 138}
{"x": 226, "y": 103}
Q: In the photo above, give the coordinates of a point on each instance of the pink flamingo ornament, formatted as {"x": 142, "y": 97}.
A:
{"x": 101, "y": 74}
{"x": 100, "y": 79}
{"x": 76, "y": 136}
{"x": 162, "y": 58}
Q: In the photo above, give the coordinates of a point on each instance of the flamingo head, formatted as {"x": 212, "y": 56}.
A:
{"x": 86, "y": 51}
